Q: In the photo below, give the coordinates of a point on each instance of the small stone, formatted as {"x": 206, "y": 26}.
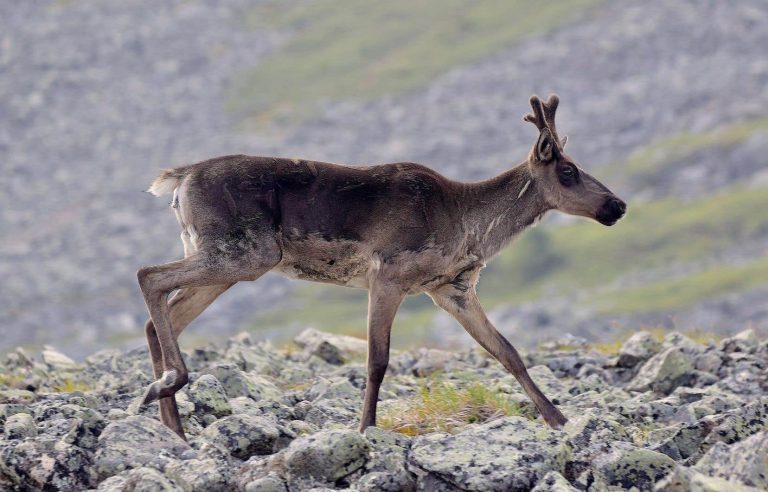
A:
{"x": 19, "y": 426}
{"x": 327, "y": 455}
{"x": 678, "y": 340}
{"x": 209, "y": 397}
{"x": 744, "y": 341}
{"x": 56, "y": 361}
{"x": 708, "y": 362}
{"x": 554, "y": 482}
{"x": 344, "y": 347}
{"x": 243, "y": 435}
{"x": 142, "y": 479}
{"x": 638, "y": 348}
{"x": 201, "y": 474}
{"x": 270, "y": 483}
{"x": 239, "y": 383}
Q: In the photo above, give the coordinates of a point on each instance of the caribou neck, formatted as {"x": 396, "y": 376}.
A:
{"x": 500, "y": 208}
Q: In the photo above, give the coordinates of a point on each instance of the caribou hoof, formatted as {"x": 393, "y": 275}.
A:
{"x": 554, "y": 418}
{"x": 165, "y": 386}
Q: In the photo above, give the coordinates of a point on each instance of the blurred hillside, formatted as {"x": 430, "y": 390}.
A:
{"x": 666, "y": 102}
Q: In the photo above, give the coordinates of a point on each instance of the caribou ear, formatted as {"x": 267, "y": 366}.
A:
{"x": 545, "y": 147}
{"x": 564, "y": 140}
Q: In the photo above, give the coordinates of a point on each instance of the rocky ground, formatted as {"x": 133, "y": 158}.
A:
{"x": 97, "y": 96}
{"x": 669, "y": 414}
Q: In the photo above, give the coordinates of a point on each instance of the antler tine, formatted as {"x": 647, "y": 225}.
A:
{"x": 550, "y": 108}
{"x": 543, "y": 115}
{"x": 537, "y": 117}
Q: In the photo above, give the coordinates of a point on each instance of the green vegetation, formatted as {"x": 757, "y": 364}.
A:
{"x": 670, "y": 294}
{"x": 366, "y": 49}
{"x": 442, "y": 407}
{"x": 70, "y": 385}
{"x": 666, "y": 152}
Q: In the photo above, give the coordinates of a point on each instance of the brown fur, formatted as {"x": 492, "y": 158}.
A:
{"x": 394, "y": 229}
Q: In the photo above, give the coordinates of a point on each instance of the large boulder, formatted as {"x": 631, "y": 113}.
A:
{"x": 626, "y": 465}
{"x": 134, "y": 442}
{"x": 684, "y": 479}
{"x": 663, "y": 372}
{"x": 745, "y": 462}
{"x": 326, "y": 456}
{"x": 46, "y": 465}
{"x": 243, "y": 435}
{"x": 386, "y": 470}
{"x": 511, "y": 453}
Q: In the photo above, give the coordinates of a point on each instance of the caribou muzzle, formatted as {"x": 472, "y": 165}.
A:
{"x": 612, "y": 210}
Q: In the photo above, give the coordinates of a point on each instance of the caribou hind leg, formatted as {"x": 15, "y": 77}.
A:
{"x": 465, "y": 307}
{"x": 201, "y": 277}
{"x": 184, "y": 307}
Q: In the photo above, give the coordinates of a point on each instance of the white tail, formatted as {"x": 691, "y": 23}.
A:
{"x": 166, "y": 182}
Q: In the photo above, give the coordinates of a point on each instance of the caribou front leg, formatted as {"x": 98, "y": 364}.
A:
{"x": 465, "y": 307}
{"x": 383, "y": 301}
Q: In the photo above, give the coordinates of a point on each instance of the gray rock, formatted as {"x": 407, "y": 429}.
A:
{"x": 46, "y": 465}
{"x": 678, "y": 340}
{"x": 638, "y": 348}
{"x": 515, "y": 454}
{"x": 745, "y": 462}
{"x": 683, "y": 479}
{"x": 744, "y": 341}
{"x": 209, "y": 397}
{"x": 332, "y": 348}
{"x": 206, "y": 474}
{"x": 332, "y": 389}
{"x": 19, "y": 426}
{"x": 134, "y": 442}
{"x": 386, "y": 469}
{"x": 708, "y": 362}
{"x": 143, "y": 479}
{"x": 240, "y": 383}
{"x": 554, "y": 482}
{"x": 243, "y": 435}
{"x": 327, "y": 455}
{"x": 628, "y": 466}
{"x": 663, "y": 372}
{"x": 739, "y": 423}
{"x": 56, "y": 361}
{"x": 270, "y": 483}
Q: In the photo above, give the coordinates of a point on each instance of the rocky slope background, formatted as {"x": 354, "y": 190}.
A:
{"x": 662, "y": 413}
{"x": 664, "y": 101}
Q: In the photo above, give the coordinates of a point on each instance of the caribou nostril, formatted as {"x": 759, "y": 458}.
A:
{"x": 617, "y": 206}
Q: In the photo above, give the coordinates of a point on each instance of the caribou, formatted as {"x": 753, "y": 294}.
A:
{"x": 394, "y": 229}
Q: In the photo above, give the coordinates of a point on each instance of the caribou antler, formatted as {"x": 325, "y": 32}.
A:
{"x": 543, "y": 116}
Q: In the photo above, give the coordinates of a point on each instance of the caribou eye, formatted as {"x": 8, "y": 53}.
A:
{"x": 567, "y": 175}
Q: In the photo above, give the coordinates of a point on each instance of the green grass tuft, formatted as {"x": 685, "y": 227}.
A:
{"x": 443, "y": 407}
